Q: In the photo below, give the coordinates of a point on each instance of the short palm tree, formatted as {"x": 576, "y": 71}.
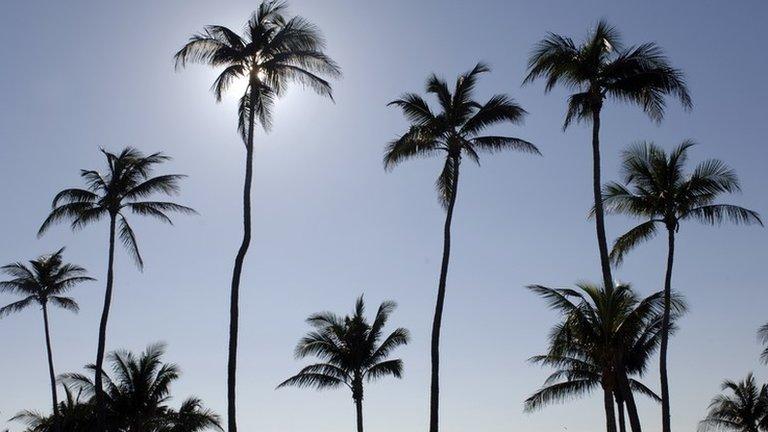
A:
{"x": 192, "y": 416}
{"x": 74, "y": 415}
{"x": 124, "y": 187}
{"x": 745, "y": 410}
{"x": 763, "y": 335}
{"x": 605, "y": 333}
{"x": 657, "y": 188}
{"x": 456, "y": 131}
{"x": 350, "y": 352}
{"x": 598, "y": 69}
{"x": 273, "y": 52}
{"x": 137, "y": 394}
{"x": 44, "y": 282}
{"x": 576, "y": 376}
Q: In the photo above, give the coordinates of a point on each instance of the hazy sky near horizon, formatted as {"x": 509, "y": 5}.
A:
{"x": 330, "y": 224}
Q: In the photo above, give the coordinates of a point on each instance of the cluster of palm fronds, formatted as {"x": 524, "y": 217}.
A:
{"x": 137, "y": 393}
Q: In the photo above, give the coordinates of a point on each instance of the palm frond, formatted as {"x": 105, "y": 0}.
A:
{"x": 631, "y": 239}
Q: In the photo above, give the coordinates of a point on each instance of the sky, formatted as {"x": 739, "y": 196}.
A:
{"x": 330, "y": 224}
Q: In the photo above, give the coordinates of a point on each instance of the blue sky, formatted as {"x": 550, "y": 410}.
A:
{"x": 330, "y": 224}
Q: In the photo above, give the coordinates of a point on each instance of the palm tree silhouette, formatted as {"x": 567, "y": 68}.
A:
{"x": 124, "y": 187}
{"x": 744, "y": 411}
{"x": 762, "y": 333}
{"x": 44, "y": 282}
{"x": 605, "y": 333}
{"x": 350, "y": 352}
{"x": 274, "y": 52}
{"x": 74, "y": 415}
{"x": 598, "y": 69}
{"x": 658, "y": 189}
{"x": 455, "y": 131}
{"x": 138, "y": 391}
{"x": 577, "y": 374}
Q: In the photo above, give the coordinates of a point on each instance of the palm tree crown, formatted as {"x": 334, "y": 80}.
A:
{"x": 44, "y": 281}
{"x": 138, "y": 391}
{"x": 762, "y": 333}
{"x": 272, "y": 52}
{"x": 606, "y": 335}
{"x": 75, "y": 415}
{"x": 456, "y": 130}
{"x": 601, "y": 67}
{"x": 746, "y": 410}
{"x": 658, "y": 188}
{"x": 124, "y": 187}
{"x": 350, "y": 349}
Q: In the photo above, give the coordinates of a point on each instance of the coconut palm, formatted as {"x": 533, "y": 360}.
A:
{"x": 456, "y": 130}
{"x": 273, "y": 52}
{"x": 745, "y": 410}
{"x": 605, "y": 333}
{"x": 192, "y": 416}
{"x": 598, "y": 69}
{"x": 577, "y": 376}
{"x": 74, "y": 415}
{"x": 124, "y": 187}
{"x": 45, "y": 281}
{"x": 763, "y": 335}
{"x": 137, "y": 393}
{"x": 350, "y": 352}
{"x": 658, "y": 189}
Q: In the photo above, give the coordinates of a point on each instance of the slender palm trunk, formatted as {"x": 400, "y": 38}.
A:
{"x": 629, "y": 400}
{"x": 234, "y": 312}
{"x": 620, "y": 412}
{"x": 357, "y": 395}
{"x": 602, "y": 243}
{"x": 54, "y": 397}
{"x": 610, "y": 415}
{"x": 434, "y": 397}
{"x": 100, "y": 409}
{"x": 665, "y": 415}
{"x": 359, "y": 411}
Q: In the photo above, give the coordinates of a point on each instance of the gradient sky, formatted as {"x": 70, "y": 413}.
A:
{"x": 330, "y": 224}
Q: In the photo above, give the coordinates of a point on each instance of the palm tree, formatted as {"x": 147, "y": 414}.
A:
{"x": 350, "y": 353}
{"x": 455, "y": 131}
{"x": 598, "y": 69}
{"x": 578, "y": 375}
{"x": 192, "y": 416}
{"x": 605, "y": 333}
{"x": 74, "y": 415}
{"x": 44, "y": 282}
{"x": 137, "y": 394}
{"x": 763, "y": 335}
{"x": 658, "y": 189}
{"x": 125, "y": 185}
{"x": 744, "y": 411}
{"x": 273, "y": 52}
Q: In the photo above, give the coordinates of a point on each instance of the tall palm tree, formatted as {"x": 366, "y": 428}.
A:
{"x": 350, "y": 353}
{"x": 273, "y": 52}
{"x": 44, "y": 282}
{"x": 123, "y": 187}
{"x": 598, "y": 69}
{"x": 658, "y": 189}
{"x": 456, "y": 130}
{"x": 138, "y": 392}
{"x": 611, "y": 329}
{"x": 763, "y": 335}
{"x": 746, "y": 410}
